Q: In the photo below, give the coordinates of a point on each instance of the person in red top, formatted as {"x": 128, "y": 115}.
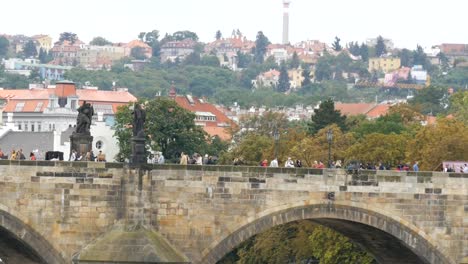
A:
{"x": 32, "y": 156}
{"x": 264, "y": 163}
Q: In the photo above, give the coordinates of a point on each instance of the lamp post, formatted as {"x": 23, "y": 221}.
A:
{"x": 276, "y": 136}
{"x": 329, "y": 139}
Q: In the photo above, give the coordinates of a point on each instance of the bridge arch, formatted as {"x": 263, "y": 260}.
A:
{"x": 26, "y": 235}
{"x": 373, "y": 229}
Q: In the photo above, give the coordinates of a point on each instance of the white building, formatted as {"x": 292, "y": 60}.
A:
{"x": 52, "y": 112}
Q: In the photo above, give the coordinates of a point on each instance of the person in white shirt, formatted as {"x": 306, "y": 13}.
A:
{"x": 289, "y": 163}
{"x": 465, "y": 168}
{"x": 274, "y": 163}
{"x": 161, "y": 158}
{"x": 73, "y": 156}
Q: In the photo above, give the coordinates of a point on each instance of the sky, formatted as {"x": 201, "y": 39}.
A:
{"x": 406, "y": 22}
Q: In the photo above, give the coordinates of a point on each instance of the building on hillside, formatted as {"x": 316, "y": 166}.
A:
{"x": 384, "y": 64}
{"x": 228, "y": 47}
{"x": 147, "y": 50}
{"x": 454, "y": 51}
{"x": 313, "y": 47}
{"x": 207, "y": 115}
{"x": 419, "y": 75}
{"x": 46, "y": 71}
{"x": 295, "y": 78}
{"x": 44, "y": 42}
{"x": 54, "y": 109}
{"x": 177, "y": 49}
{"x": 94, "y": 57}
{"x": 66, "y": 53}
{"x": 267, "y": 79}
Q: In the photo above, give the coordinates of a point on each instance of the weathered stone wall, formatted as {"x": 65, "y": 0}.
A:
{"x": 205, "y": 211}
{"x": 67, "y": 204}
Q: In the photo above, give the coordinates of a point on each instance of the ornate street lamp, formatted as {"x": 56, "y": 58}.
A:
{"x": 329, "y": 139}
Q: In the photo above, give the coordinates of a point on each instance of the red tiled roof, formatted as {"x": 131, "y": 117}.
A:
{"x": 33, "y": 97}
{"x": 379, "y": 110}
{"x": 354, "y": 109}
{"x": 217, "y": 131}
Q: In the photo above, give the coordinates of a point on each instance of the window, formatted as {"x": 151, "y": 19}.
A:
{"x": 19, "y": 126}
{"x": 38, "y": 107}
{"x": 19, "y": 107}
{"x": 26, "y": 127}
{"x": 39, "y": 127}
{"x": 32, "y": 127}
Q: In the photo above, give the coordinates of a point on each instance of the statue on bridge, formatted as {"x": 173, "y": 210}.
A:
{"x": 139, "y": 118}
{"x": 83, "y": 121}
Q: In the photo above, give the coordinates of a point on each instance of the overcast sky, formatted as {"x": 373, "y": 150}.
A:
{"x": 406, "y": 22}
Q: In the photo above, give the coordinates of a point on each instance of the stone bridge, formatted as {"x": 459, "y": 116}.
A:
{"x": 88, "y": 212}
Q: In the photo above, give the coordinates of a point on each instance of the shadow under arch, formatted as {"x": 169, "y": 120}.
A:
{"x": 387, "y": 239}
{"x": 34, "y": 242}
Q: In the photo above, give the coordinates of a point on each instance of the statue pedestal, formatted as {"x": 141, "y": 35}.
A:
{"x": 82, "y": 143}
{"x": 138, "y": 156}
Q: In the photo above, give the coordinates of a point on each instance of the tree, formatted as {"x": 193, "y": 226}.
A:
{"x": 420, "y": 57}
{"x": 181, "y": 35}
{"x": 152, "y": 39}
{"x": 168, "y": 127}
{"x": 444, "y": 61}
{"x": 210, "y": 60}
{"x": 326, "y": 115}
{"x": 4, "y": 45}
{"x": 364, "y": 52}
{"x": 68, "y": 36}
{"x": 306, "y": 75}
{"x": 353, "y": 48}
{"x": 330, "y": 247}
{"x": 443, "y": 141}
{"x": 138, "y": 53}
{"x": 295, "y": 61}
{"x": 30, "y": 49}
{"x": 218, "y": 35}
{"x": 100, "y": 41}
{"x": 406, "y": 58}
{"x": 283, "y": 82}
{"x": 336, "y": 44}
{"x": 243, "y": 60}
{"x": 261, "y": 44}
{"x": 431, "y": 100}
{"x": 324, "y": 68}
{"x": 459, "y": 106}
{"x": 388, "y": 124}
{"x": 380, "y": 48}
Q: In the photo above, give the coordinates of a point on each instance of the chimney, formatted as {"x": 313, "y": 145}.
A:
{"x": 63, "y": 90}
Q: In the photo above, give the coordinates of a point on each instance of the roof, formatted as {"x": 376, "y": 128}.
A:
{"x": 32, "y": 98}
{"x": 354, "y": 108}
{"x": 137, "y": 43}
{"x": 371, "y": 110}
{"x": 221, "y": 132}
{"x": 195, "y": 105}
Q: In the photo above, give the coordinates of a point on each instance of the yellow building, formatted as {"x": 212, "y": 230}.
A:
{"x": 43, "y": 41}
{"x": 295, "y": 78}
{"x": 387, "y": 64}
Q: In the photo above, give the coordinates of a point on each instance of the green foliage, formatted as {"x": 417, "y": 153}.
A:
{"x": 68, "y": 36}
{"x": 152, "y": 39}
{"x": 185, "y": 34}
{"x": 353, "y": 48}
{"x": 306, "y": 75}
{"x": 261, "y": 44}
{"x": 100, "y": 41}
{"x": 30, "y": 49}
{"x": 295, "y": 61}
{"x": 364, "y": 52}
{"x": 44, "y": 56}
{"x": 406, "y": 58}
{"x": 459, "y": 106}
{"x": 431, "y": 100}
{"x": 330, "y": 247}
{"x": 388, "y": 124}
{"x": 292, "y": 243}
{"x": 326, "y": 115}
{"x": 456, "y": 77}
{"x": 168, "y": 127}
{"x": 283, "y": 82}
{"x": 380, "y": 48}
{"x": 336, "y": 46}
{"x": 4, "y": 45}
{"x": 138, "y": 53}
